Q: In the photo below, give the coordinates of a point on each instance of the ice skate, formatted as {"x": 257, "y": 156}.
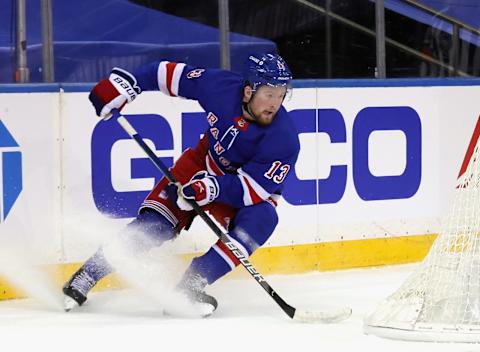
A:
{"x": 193, "y": 286}
{"x": 76, "y": 289}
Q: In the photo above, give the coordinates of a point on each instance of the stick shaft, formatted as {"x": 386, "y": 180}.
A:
{"x": 289, "y": 310}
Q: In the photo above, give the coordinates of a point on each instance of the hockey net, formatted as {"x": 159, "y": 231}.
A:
{"x": 440, "y": 301}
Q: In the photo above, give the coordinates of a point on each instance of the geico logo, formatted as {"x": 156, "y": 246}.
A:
{"x": 10, "y": 171}
{"x": 369, "y": 186}
{"x": 122, "y": 175}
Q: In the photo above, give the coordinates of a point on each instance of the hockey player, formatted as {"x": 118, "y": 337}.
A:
{"x": 236, "y": 172}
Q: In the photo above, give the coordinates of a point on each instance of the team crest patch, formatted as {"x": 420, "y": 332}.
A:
{"x": 241, "y": 123}
{"x": 195, "y": 73}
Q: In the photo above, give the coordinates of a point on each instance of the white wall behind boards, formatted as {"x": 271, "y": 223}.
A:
{"x": 374, "y": 162}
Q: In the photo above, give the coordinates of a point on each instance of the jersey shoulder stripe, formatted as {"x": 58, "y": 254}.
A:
{"x": 168, "y": 77}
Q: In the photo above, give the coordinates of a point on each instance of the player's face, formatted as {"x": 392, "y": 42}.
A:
{"x": 265, "y": 103}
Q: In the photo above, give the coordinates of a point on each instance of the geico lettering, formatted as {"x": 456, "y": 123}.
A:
{"x": 352, "y": 134}
{"x": 118, "y": 188}
{"x": 368, "y": 186}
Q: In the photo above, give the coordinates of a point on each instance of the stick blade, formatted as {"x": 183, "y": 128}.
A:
{"x": 325, "y": 317}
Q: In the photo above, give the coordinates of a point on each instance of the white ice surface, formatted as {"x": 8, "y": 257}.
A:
{"x": 247, "y": 319}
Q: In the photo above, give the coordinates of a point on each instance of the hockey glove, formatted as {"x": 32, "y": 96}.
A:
{"x": 202, "y": 188}
{"x": 113, "y": 93}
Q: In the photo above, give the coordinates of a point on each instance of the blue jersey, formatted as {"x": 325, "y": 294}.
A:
{"x": 251, "y": 161}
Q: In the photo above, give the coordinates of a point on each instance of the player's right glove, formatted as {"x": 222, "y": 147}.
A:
{"x": 202, "y": 188}
{"x": 120, "y": 88}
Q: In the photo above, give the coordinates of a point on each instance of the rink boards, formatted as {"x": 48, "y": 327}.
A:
{"x": 375, "y": 174}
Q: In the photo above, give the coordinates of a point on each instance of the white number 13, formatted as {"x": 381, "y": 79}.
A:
{"x": 277, "y": 165}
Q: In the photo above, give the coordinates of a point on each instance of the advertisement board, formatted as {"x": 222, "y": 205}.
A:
{"x": 375, "y": 163}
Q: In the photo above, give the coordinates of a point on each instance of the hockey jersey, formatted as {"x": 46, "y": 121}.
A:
{"x": 251, "y": 161}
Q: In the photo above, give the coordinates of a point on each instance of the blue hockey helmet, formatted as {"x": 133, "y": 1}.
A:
{"x": 267, "y": 69}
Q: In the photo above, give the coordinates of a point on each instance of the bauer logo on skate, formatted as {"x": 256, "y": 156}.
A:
{"x": 384, "y": 159}
{"x": 10, "y": 171}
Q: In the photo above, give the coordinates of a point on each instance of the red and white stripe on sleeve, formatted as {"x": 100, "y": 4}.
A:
{"x": 168, "y": 76}
{"x": 253, "y": 192}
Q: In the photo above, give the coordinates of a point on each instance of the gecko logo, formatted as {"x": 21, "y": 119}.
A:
{"x": 10, "y": 171}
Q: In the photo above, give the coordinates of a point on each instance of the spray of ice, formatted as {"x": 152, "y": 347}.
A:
{"x": 151, "y": 275}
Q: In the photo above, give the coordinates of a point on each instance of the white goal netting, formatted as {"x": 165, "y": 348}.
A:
{"x": 440, "y": 301}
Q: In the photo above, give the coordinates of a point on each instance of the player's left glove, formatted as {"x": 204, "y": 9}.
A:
{"x": 113, "y": 93}
{"x": 202, "y": 188}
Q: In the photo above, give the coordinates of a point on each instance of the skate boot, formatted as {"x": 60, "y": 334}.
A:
{"x": 193, "y": 285}
{"x": 77, "y": 288}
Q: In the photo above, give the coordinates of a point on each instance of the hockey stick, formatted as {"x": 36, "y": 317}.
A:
{"x": 332, "y": 316}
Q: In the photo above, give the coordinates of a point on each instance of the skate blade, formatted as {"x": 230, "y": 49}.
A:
{"x": 192, "y": 310}
{"x": 204, "y": 309}
{"x": 69, "y": 303}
